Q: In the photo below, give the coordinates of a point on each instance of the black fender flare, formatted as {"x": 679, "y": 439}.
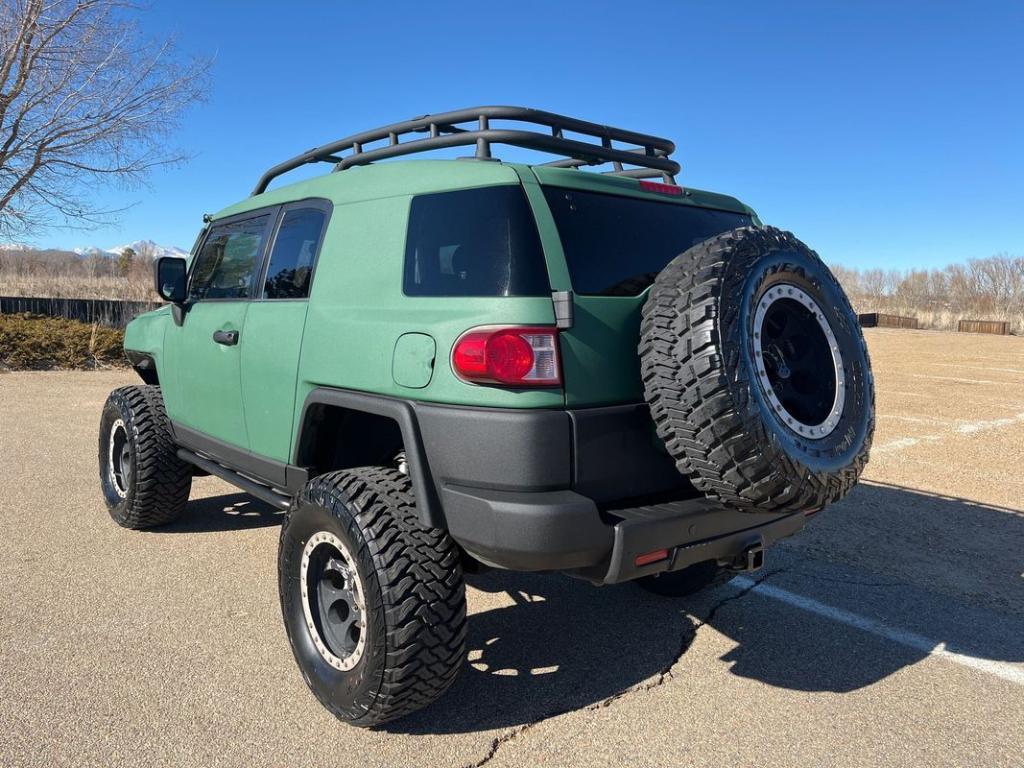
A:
{"x": 401, "y": 412}
{"x": 144, "y": 364}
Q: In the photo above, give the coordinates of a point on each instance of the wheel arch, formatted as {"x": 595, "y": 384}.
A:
{"x": 144, "y": 365}
{"x": 322, "y": 443}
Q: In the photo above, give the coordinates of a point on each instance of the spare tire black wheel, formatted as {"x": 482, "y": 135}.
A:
{"x": 757, "y": 373}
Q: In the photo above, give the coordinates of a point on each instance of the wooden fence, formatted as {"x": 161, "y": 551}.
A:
{"x": 111, "y": 312}
{"x": 880, "y": 320}
{"x": 1000, "y": 327}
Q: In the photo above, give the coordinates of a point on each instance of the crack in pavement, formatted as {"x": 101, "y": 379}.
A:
{"x": 651, "y": 683}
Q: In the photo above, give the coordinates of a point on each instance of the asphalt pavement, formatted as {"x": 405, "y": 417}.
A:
{"x": 889, "y": 632}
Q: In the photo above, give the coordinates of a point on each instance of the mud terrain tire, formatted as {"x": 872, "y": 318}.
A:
{"x": 144, "y": 482}
{"x": 740, "y": 338}
{"x": 410, "y": 598}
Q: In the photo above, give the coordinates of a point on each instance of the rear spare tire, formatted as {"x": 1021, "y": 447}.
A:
{"x": 757, "y": 374}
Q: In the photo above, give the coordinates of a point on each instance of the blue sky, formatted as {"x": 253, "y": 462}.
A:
{"x": 883, "y": 134}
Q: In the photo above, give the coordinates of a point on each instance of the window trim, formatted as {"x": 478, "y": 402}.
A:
{"x": 315, "y": 203}
{"x": 260, "y": 257}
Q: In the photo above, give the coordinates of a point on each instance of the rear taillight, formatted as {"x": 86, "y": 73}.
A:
{"x": 522, "y": 357}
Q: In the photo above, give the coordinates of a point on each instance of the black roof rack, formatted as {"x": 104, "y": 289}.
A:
{"x": 649, "y": 154}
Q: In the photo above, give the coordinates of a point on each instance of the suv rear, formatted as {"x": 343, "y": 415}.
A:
{"x": 439, "y": 365}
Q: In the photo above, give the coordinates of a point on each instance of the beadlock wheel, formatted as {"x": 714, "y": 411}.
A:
{"x": 119, "y": 459}
{"x": 799, "y": 365}
{"x": 757, "y": 374}
{"x": 373, "y": 602}
{"x": 333, "y": 601}
{"x": 144, "y": 483}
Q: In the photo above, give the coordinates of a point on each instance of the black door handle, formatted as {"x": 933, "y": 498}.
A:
{"x": 227, "y": 338}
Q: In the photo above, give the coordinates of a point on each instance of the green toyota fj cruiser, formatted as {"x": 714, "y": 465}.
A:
{"x": 439, "y": 365}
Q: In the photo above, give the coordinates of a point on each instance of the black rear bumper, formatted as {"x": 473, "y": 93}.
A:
{"x": 551, "y": 490}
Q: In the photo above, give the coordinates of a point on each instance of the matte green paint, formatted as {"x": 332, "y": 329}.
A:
{"x": 270, "y": 345}
{"x": 201, "y": 379}
{"x": 413, "y": 361}
{"x": 146, "y": 333}
{"x": 600, "y": 364}
{"x": 359, "y": 331}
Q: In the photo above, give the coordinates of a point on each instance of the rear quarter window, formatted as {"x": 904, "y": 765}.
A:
{"x": 293, "y": 253}
{"x": 474, "y": 242}
{"x": 616, "y": 246}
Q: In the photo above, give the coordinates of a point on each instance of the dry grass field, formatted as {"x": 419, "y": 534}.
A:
{"x": 889, "y": 633}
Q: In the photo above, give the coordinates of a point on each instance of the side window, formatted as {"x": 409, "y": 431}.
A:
{"x": 291, "y": 260}
{"x": 226, "y": 266}
{"x": 474, "y": 242}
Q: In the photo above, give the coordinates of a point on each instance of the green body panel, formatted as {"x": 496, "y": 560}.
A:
{"x": 201, "y": 379}
{"x": 599, "y": 353}
{"x": 146, "y": 334}
{"x": 357, "y": 312}
{"x": 367, "y": 183}
{"x": 270, "y": 345}
{"x": 412, "y": 364}
{"x": 359, "y": 331}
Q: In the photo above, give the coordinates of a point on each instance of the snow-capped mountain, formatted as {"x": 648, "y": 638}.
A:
{"x": 143, "y": 247}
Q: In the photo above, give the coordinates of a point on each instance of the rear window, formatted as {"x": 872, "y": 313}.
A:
{"x": 474, "y": 242}
{"x": 616, "y": 246}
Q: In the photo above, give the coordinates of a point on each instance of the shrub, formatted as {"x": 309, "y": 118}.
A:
{"x": 35, "y": 342}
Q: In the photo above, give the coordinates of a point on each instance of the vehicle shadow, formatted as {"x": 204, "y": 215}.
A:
{"x": 228, "y": 512}
{"x": 564, "y": 645}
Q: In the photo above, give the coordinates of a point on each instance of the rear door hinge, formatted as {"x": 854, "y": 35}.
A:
{"x": 562, "y": 301}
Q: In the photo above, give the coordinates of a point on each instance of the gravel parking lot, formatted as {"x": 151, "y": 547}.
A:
{"x": 890, "y": 632}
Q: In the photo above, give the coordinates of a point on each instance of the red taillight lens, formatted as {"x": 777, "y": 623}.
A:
{"x": 525, "y": 357}
{"x": 657, "y": 186}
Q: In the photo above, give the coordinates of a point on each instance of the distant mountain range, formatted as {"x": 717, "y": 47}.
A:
{"x": 147, "y": 247}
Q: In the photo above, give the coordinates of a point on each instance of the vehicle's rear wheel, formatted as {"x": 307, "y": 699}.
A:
{"x": 757, "y": 374}
{"x": 144, "y": 482}
{"x": 374, "y": 604}
{"x": 686, "y": 581}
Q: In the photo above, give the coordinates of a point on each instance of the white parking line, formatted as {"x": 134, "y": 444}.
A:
{"x": 916, "y": 419}
{"x": 1002, "y": 670}
{"x": 957, "y": 379}
{"x": 979, "y": 367}
{"x": 904, "y": 442}
{"x": 905, "y": 394}
{"x": 971, "y": 427}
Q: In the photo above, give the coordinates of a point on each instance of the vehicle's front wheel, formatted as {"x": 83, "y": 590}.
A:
{"x": 374, "y": 603}
{"x": 144, "y": 482}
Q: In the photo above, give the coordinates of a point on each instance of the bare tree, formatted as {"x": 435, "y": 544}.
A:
{"x": 84, "y": 98}
{"x": 982, "y": 289}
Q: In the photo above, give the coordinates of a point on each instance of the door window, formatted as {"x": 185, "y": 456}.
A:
{"x": 227, "y": 265}
{"x": 293, "y": 254}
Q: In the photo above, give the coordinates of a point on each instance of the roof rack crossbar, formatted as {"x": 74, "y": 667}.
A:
{"x": 651, "y": 153}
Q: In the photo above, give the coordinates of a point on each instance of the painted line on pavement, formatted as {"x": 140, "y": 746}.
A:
{"x": 958, "y": 379}
{"x": 1004, "y": 671}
